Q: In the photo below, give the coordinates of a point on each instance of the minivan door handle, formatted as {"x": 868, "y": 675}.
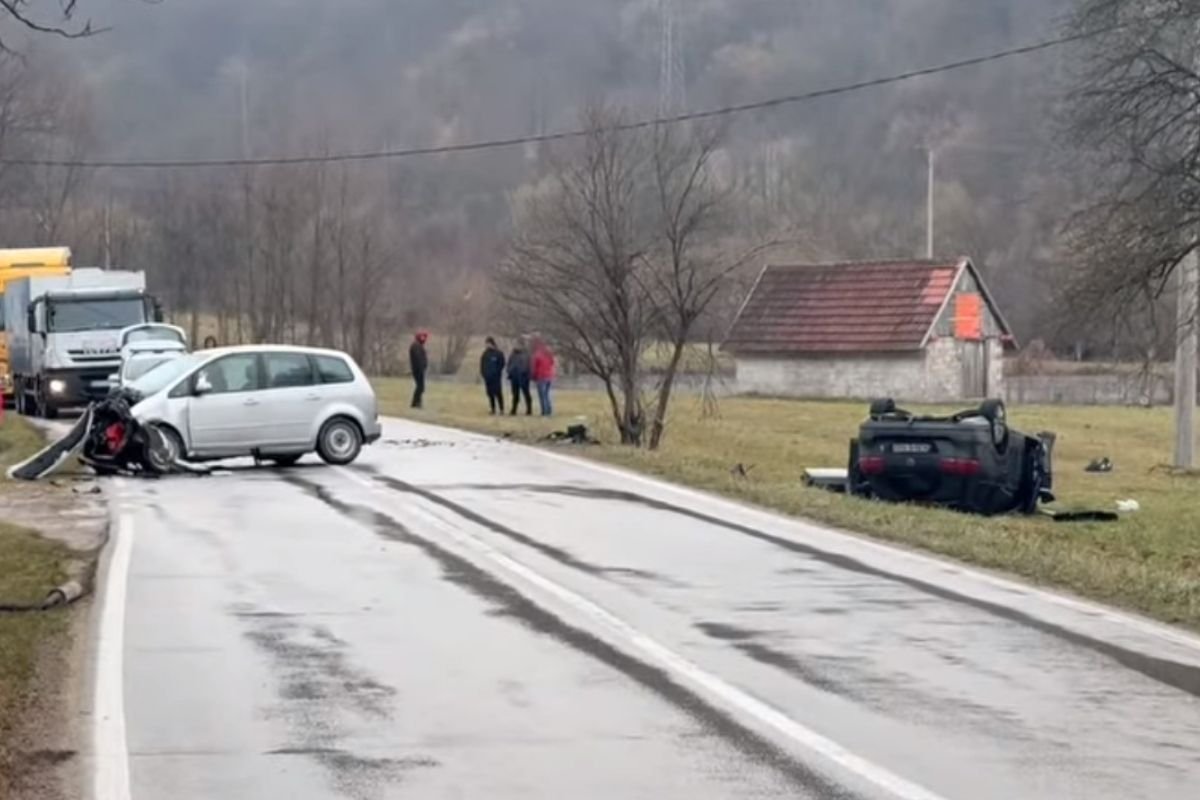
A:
{"x": 312, "y": 398}
{"x": 250, "y": 402}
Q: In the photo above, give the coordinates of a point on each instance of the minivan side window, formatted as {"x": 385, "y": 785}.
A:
{"x": 287, "y": 370}
{"x": 236, "y": 373}
{"x": 333, "y": 369}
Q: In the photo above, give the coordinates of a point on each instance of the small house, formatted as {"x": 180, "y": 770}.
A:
{"x": 918, "y": 331}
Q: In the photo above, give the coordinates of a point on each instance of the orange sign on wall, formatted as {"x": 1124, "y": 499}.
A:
{"x": 968, "y": 317}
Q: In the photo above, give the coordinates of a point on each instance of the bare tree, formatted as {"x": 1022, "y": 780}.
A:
{"x": 63, "y": 21}
{"x": 694, "y": 254}
{"x": 1135, "y": 117}
{"x": 577, "y": 267}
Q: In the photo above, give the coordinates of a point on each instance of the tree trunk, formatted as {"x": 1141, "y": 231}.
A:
{"x": 659, "y": 426}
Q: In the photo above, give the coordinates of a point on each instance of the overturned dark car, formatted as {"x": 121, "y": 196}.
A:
{"x": 969, "y": 461}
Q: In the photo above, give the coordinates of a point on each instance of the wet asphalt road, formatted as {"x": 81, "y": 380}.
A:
{"x": 455, "y": 617}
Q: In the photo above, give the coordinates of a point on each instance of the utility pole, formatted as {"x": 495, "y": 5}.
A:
{"x": 1185, "y": 347}
{"x": 929, "y": 204}
{"x": 1185, "y": 363}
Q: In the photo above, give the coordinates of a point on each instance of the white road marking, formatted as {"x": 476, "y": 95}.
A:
{"x": 109, "y": 745}
{"x": 675, "y": 664}
{"x": 891, "y": 553}
{"x": 1139, "y": 624}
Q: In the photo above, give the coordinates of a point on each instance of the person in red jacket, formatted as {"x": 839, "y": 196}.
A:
{"x": 543, "y": 375}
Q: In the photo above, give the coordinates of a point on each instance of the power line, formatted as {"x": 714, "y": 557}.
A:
{"x": 492, "y": 144}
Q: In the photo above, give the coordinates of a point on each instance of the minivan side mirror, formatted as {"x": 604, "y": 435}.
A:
{"x": 202, "y": 385}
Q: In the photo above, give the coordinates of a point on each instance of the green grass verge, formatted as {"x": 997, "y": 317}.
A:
{"x": 1148, "y": 562}
{"x": 29, "y": 567}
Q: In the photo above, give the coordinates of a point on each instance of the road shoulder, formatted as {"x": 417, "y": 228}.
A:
{"x": 51, "y": 533}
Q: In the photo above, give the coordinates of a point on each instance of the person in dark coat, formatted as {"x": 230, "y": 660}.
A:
{"x": 491, "y": 369}
{"x": 418, "y": 363}
{"x": 519, "y": 376}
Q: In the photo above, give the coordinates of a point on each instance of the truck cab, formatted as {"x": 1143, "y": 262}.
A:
{"x": 65, "y": 335}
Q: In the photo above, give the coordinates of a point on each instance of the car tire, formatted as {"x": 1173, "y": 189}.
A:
{"x": 339, "y": 442}
{"x": 882, "y": 406}
{"x": 285, "y": 461}
{"x": 173, "y": 441}
{"x": 162, "y": 449}
{"x": 997, "y": 416}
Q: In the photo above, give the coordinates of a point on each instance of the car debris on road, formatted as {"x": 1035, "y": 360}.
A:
{"x": 108, "y": 439}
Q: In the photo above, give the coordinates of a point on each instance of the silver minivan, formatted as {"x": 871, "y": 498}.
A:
{"x": 272, "y": 402}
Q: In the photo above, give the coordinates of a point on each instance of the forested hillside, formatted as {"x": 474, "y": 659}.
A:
{"x": 230, "y": 78}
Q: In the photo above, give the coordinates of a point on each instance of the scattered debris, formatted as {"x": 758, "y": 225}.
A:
{"x": 830, "y": 479}
{"x": 740, "y": 470}
{"x": 415, "y": 443}
{"x": 576, "y": 433}
{"x": 1084, "y": 515}
{"x": 1099, "y": 465}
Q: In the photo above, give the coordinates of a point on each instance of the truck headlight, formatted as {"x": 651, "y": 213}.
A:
{"x": 58, "y": 386}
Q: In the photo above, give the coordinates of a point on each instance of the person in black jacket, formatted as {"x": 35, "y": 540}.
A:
{"x": 491, "y": 368}
{"x": 519, "y": 374}
{"x": 418, "y": 362}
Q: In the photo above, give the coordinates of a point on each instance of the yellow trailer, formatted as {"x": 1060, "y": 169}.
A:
{"x": 24, "y": 263}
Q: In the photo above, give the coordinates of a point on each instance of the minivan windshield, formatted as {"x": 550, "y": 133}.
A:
{"x": 166, "y": 374}
{"x": 138, "y": 367}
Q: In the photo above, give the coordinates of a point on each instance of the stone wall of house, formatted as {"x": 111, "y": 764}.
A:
{"x": 935, "y": 376}
{"x": 997, "y": 386}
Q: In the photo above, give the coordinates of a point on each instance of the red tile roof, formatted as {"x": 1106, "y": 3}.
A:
{"x": 843, "y": 308}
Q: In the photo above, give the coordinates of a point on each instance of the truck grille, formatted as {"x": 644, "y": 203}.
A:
{"x": 94, "y": 356}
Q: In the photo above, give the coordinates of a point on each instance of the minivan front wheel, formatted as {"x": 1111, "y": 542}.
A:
{"x": 339, "y": 442}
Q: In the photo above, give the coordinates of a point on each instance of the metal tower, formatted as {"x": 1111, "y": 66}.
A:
{"x": 672, "y": 86}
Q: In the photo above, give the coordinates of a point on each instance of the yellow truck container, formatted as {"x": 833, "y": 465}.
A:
{"x": 23, "y": 263}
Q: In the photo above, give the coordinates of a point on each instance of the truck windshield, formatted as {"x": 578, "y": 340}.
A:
{"x": 90, "y": 315}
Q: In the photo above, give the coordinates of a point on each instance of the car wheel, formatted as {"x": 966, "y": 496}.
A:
{"x": 339, "y": 442}
{"x": 162, "y": 449}
{"x": 171, "y": 440}
{"x": 883, "y": 406}
{"x": 285, "y": 461}
{"x": 997, "y": 416}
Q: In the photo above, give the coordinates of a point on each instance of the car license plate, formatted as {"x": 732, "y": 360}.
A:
{"x": 912, "y": 447}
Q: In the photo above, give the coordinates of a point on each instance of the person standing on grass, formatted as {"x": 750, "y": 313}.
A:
{"x": 543, "y": 375}
{"x": 519, "y": 376}
{"x": 491, "y": 369}
{"x": 418, "y": 363}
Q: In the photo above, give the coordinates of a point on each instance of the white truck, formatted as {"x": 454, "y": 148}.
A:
{"x": 64, "y": 334}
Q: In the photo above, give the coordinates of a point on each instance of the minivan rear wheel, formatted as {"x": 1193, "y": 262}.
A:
{"x": 339, "y": 442}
